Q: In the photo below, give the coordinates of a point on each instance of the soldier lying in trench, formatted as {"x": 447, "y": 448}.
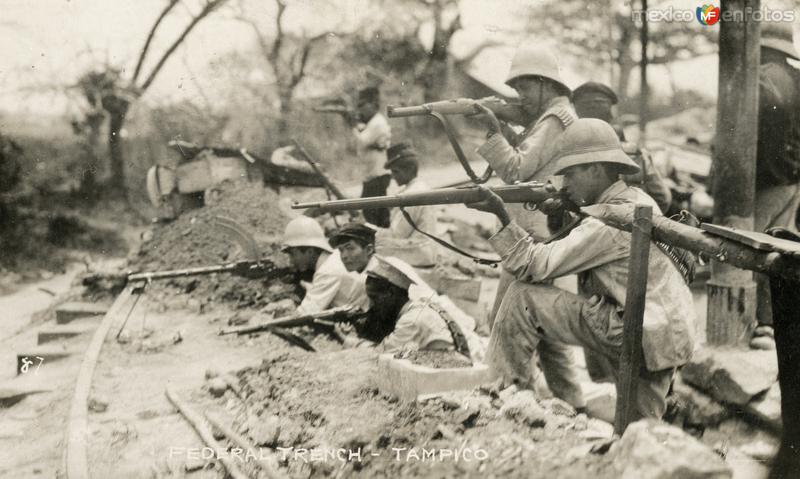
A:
{"x": 405, "y": 313}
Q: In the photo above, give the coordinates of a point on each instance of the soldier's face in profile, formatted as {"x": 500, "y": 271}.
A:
{"x": 355, "y": 256}
{"x": 531, "y": 93}
{"x": 366, "y": 111}
{"x": 584, "y": 183}
{"x": 303, "y": 258}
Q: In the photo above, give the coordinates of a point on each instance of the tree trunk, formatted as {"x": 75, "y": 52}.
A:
{"x": 116, "y": 151}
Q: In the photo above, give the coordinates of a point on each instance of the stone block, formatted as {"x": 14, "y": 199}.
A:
{"x": 405, "y": 380}
{"x": 730, "y": 375}
{"x": 651, "y": 448}
{"x": 63, "y": 331}
{"x": 67, "y": 312}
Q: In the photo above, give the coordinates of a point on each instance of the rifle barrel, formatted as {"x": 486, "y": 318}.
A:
{"x": 521, "y": 193}
{"x": 179, "y": 273}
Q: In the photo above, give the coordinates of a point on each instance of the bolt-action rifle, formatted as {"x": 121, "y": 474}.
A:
{"x": 531, "y": 193}
{"x": 509, "y": 112}
{"x": 326, "y": 317}
{"x": 262, "y": 269}
{"x": 506, "y": 111}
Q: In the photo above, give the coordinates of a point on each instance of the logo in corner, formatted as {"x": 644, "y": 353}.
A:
{"x": 707, "y": 14}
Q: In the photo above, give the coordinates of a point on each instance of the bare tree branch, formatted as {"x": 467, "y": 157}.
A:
{"x": 274, "y": 55}
{"x": 303, "y": 54}
{"x": 210, "y": 6}
{"x": 149, "y": 39}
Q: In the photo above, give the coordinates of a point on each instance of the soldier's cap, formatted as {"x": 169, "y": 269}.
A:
{"x": 589, "y": 140}
{"x": 779, "y": 36}
{"x": 592, "y": 87}
{"x": 370, "y": 94}
{"x": 393, "y": 270}
{"x": 353, "y": 231}
{"x": 400, "y": 151}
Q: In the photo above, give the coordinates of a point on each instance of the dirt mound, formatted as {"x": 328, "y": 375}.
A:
{"x": 335, "y": 423}
{"x": 193, "y": 240}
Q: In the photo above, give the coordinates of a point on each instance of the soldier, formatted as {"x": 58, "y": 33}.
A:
{"x": 401, "y": 239}
{"x": 356, "y": 245}
{"x": 331, "y": 285}
{"x": 595, "y": 100}
{"x": 536, "y": 76}
{"x": 591, "y": 160}
{"x": 777, "y": 153}
{"x": 373, "y": 136}
{"x": 398, "y": 323}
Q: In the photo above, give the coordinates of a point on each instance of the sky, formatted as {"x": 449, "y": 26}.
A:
{"x": 48, "y": 43}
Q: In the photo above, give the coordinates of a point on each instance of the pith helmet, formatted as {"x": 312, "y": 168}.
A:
{"x": 304, "y": 231}
{"x": 589, "y": 140}
{"x": 779, "y": 36}
{"x": 532, "y": 60}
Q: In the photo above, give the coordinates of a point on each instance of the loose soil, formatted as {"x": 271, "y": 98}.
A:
{"x": 191, "y": 240}
{"x": 435, "y": 359}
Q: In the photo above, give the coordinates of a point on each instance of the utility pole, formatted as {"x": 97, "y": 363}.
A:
{"x": 644, "y": 91}
{"x": 731, "y": 291}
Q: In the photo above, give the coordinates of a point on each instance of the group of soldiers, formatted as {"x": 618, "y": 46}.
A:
{"x": 568, "y": 135}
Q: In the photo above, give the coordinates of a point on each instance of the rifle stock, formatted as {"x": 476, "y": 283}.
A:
{"x": 504, "y": 110}
{"x": 340, "y": 314}
{"x": 532, "y": 192}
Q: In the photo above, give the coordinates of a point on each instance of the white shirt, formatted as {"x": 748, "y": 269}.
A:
{"x": 332, "y": 286}
{"x": 372, "y": 140}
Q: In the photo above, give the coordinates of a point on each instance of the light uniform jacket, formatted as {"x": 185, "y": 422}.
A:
{"x": 401, "y": 240}
{"x": 332, "y": 286}
{"x": 372, "y": 140}
{"x": 599, "y": 255}
{"x": 533, "y": 159}
{"x": 420, "y": 326}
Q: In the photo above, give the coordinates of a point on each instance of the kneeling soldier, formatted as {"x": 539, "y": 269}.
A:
{"x": 591, "y": 159}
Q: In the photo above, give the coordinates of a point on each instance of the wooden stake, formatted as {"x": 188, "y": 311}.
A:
{"x": 205, "y": 434}
{"x": 631, "y": 357}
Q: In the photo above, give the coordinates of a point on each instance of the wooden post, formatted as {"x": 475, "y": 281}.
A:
{"x": 732, "y": 292}
{"x": 631, "y": 357}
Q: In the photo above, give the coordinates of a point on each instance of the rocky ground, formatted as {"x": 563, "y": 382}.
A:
{"x": 304, "y": 411}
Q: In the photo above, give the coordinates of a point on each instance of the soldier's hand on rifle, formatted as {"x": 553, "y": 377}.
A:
{"x": 551, "y": 206}
{"x": 494, "y": 123}
{"x": 491, "y": 203}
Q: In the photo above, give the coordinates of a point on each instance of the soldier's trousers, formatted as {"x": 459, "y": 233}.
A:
{"x": 532, "y": 313}
{"x": 557, "y": 359}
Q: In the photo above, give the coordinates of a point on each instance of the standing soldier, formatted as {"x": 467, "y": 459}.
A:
{"x": 401, "y": 238}
{"x": 778, "y": 152}
{"x": 373, "y": 136}
{"x": 536, "y": 76}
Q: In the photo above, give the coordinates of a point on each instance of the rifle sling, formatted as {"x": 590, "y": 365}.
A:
{"x": 459, "y": 340}
{"x": 451, "y": 136}
{"x": 451, "y": 247}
